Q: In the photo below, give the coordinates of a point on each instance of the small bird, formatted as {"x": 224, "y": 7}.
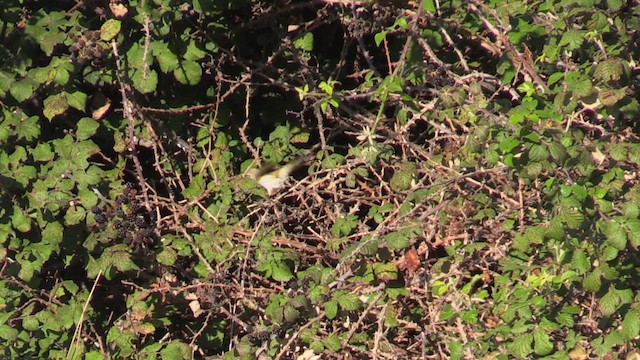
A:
{"x": 272, "y": 178}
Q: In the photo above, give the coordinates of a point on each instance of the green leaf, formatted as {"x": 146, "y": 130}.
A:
{"x": 74, "y": 215}
{"x": 332, "y": 342}
{"x": 559, "y": 152}
{"x": 608, "y": 303}
{"x": 633, "y": 227}
{"x": 429, "y": 5}
{"x": 77, "y": 100}
{"x": 538, "y": 153}
{"x": 21, "y": 90}
{"x": 348, "y": 302}
{"x": 110, "y": 29}
{"x": 572, "y": 39}
{"x": 344, "y": 226}
{"x": 616, "y": 235}
{"x": 86, "y": 127}
{"x": 631, "y": 325}
{"x": 193, "y": 52}
{"x": 176, "y": 350}
{"x": 8, "y": 333}
{"x": 521, "y": 345}
{"x": 55, "y": 105}
{"x": 397, "y": 240}
{"x": 402, "y": 178}
{"x": 145, "y": 83}
{"x": 188, "y": 73}
{"x": 20, "y": 221}
{"x": 542, "y": 343}
{"x": 379, "y": 37}
{"x": 280, "y": 271}
{"x": 167, "y": 256}
{"x": 167, "y": 60}
{"x": 385, "y": 271}
{"x": 593, "y": 281}
{"x": 304, "y": 43}
{"x": 331, "y": 309}
{"x": 42, "y": 152}
{"x": 579, "y": 261}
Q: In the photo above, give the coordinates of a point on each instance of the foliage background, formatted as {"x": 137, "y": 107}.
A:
{"x": 470, "y": 187}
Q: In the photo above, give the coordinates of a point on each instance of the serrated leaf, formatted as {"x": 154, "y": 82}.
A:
{"x": 8, "y": 333}
{"x": 521, "y": 345}
{"x": 77, "y": 100}
{"x": 291, "y": 314}
{"x": 74, "y": 215}
{"x": 145, "y": 84}
{"x": 55, "y": 105}
{"x": 633, "y": 231}
{"x": 609, "y": 253}
{"x": 572, "y": 39}
{"x": 193, "y": 52}
{"x": 167, "y": 256}
{"x": 280, "y": 271}
{"x": 609, "y": 69}
{"x": 301, "y": 138}
{"x": 42, "y": 152}
{"x": 610, "y": 97}
{"x": 559, "y": 152}
{"x": 631, "y": 325}
{"x": 608, "y": 303}
{"x": 304, "y": 43}
{"x": 579, "y": 261}
{"x": 331, "y": 309}
{"x": 402, "y": 178}
{"x": 110, "y": 29}
{"x": 538, "y": 153}
{"x": 188, "y": 73}
{"x": 176, "y": 350}
{"x": 542, "y": 344}
{"x": 167, "y": 60}
{"x": 332, "y": 342}
{"x": 616, "y": 235}
{"x": 85, "y": 128}
{"x": 21, "y": 90}
{"x": 348, "y": 302}
{"x": 20, "y": 221}
{"x": 386, "y": 271}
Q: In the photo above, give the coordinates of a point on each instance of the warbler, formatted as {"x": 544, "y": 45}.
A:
{"x": 273, "y": 178}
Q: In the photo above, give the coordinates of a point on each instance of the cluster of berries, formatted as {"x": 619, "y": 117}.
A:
{"x": 131, "y": 221}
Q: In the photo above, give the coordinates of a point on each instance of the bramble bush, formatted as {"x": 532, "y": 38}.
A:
{"x": 469, "y": 186}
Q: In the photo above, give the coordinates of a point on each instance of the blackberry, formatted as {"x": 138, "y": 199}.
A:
{"x": 292, "y": 284}
{"x": 122, "y": 233}
{"x": 100, "y": 218}
{"x": 254, "y": 339}
{"x": 117, "y": 224}
{"x": 281, "y": 332}
{"x": 120, "y": 199}
{"x": 131, "y": 218}
{"x": 95, "y": 209}
{"x": 263, "y": 335}
{"x": 140, "y": 221}
{"x": 120, "y": 212}
{"x": 134, "y": 207}
{"x": 329, "y": 327}
{"x": 148, "y": 232}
